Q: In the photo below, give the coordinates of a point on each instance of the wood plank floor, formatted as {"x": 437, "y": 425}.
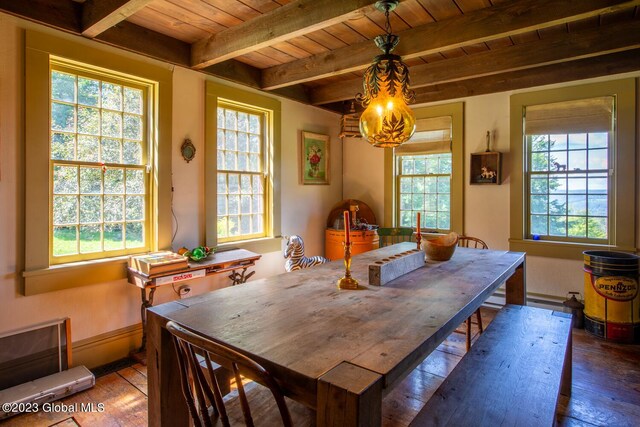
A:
{"x": 606, "y": 389}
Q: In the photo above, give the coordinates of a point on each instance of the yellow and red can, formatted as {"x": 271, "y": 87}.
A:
{"x": 611, "y": 298}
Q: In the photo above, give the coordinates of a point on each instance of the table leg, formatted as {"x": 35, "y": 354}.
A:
{"x": 146, "y": 303}
{"x": 516, "y": 290}
{"x": 166, "y": 403}
{"x": 239, "y": 278}
{"x": 349, "y": 396}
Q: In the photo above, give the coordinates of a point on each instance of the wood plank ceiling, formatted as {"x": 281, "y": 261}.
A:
{"x": 315, "y": 51}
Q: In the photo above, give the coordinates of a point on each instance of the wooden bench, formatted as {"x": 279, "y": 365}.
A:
{"x": 513, "y": 374}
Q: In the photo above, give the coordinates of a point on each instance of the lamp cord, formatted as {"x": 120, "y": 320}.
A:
{"x": 387, "y": 25}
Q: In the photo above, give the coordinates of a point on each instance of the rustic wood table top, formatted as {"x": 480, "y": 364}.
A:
{"x": 313, "y": 336}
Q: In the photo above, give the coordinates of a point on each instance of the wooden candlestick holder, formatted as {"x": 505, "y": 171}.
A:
{"x": 418, "y": 240}
{"x": 347, "y": 282}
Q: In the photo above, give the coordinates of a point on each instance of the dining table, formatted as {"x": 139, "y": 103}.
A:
{"x": 337, "y": 351}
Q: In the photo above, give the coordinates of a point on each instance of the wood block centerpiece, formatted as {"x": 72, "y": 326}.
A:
{"x": 390, "y": 268}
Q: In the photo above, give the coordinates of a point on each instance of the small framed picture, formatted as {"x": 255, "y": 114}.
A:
{"x": 314, "y": 158}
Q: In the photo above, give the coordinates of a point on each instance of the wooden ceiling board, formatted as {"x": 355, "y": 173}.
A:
{"x": 365, "y": 26}
{"x": 345, "y": 33}
{"x": 167, "y": 25}
{"x": 326, "y": 39}
{"x": 584, "y": 24}
{"x": 413, "y": 61}
{"x": 235, "y": 8}
{"x": 258, "y": 60}
{"x": 210, "y": 12}
{"x": 276, "y": 55}
{"x": 475, "y": 48}
{"x": 397, "y": 24}
{"x": 554, "y": 31}
{"x": 186, "y": 15}
{"x": 413, "y": 13}
{"x": 291, "y": 49}
{"x": 262, "y": 6}
{"x": 499, "y": 42}
{"x": 467, "y": 6}
{"x": 453, "y": 53}
{"x": 441, "y": 9}
{"x": 616, "y": 17}
{"x": 529, "y": 36}
{"x": 433, "y": 57}
{"x": 305, "y": 43}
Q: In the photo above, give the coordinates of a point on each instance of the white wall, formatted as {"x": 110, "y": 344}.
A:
{"x": 486, "y": 214}
{"x": 106, "y": 307}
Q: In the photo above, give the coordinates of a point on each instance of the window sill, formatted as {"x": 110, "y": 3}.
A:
{"x": 262, "y": 246}
{"x": 73, "y": 275}
{"x": 564, "y": 250}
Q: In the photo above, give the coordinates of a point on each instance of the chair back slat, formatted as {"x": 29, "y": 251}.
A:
{"x": 391, "y": 236}
{"x": 204, "y": 396}
{"x": 471, "y": 242}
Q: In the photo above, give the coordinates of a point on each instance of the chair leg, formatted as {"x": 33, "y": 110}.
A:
{"x": 469, "y": 334}
{"x": 479, "y": 317}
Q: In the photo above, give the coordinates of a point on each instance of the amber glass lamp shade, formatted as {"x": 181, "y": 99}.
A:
{"x": 387, "y": 121}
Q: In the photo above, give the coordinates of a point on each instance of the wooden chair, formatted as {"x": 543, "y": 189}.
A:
{"x": 391, "y": 236}
{"x": 472, "y": 242}
{"x": 197, "y": 357}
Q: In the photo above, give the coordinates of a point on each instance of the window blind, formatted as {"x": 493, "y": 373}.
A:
{"x": 579, "y": 116}
{"x": 432, "y": 136}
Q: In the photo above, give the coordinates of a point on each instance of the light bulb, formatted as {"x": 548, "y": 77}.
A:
{"x": 387, "y": 121}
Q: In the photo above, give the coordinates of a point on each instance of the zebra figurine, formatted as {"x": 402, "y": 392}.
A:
{"x": 294, "y": 254}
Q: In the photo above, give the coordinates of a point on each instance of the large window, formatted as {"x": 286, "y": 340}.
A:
{"x": 242, "y": 166}
{"x": 241, "y": 172}
{"x": 576, "y": 152}
{"x": 99, "y": 174}
{"x": 97, "y": 161}
{"x": 427, "y": 172}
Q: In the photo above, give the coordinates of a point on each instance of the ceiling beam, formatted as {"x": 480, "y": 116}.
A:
{"x": 100, "y": 15}
{"x": 605, "y": 65}
{"x": 286, "y": 22}
{"x": 571, "y": 46}
{"x": 503, "y": 20}
{"x": 63, "y": 14}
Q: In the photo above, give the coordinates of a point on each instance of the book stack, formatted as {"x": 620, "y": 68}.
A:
{"x": 158, "y": 262}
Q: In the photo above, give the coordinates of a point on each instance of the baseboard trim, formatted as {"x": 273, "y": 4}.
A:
{"x": 108, "y": 347}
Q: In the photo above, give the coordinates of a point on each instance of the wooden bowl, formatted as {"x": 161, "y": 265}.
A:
{"x": 441, "y": 248}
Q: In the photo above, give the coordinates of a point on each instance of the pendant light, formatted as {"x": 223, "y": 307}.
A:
{"x": 387, "y": 120}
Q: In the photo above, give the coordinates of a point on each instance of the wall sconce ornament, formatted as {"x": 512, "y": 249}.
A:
{"x": 485, "y": 167}
{"x": 387, "y": 120}
{"x": 188, "y": 150}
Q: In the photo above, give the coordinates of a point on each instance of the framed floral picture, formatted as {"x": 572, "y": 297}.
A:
{"x": 314, "y": 158}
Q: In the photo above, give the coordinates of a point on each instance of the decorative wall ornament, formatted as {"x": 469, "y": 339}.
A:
{"x": 314, "y": 158}
{"x": 188, "y": 150}
{"x": 387, "y": 120}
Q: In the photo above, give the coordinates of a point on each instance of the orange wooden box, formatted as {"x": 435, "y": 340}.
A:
{"x": 362, "y": 241}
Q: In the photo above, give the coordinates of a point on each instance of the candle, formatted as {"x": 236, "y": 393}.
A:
{"x": 347, "y": 228}
{"x": 418, "y": 227}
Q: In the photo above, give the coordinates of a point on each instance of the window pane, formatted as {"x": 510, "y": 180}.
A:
{"x": 538, "y": 142}
{"x": 539, "y": 185}
{"x": 539, "y": 205}
{"x": 65, "y": 210}
{"x": 65, "y": 240}
{"x": 557, "y": 142}
{"x": 88, "y": 92}
{"x": 88, "y": 120}
{"x": 62, "y": 146}
{"x": 114, "y": 181}
{"x": 132, "y": 100}
{"x": 230, "y": 119}
{"x": 132, "y": 153}
{"x": 63, "y": 117}
{"x": 135, "y": 181}
{"x": 540, "y": 162}
{"x": 577, "y": 226}
{"x": 90, "y": 180}
{"x": 90, "y": 239}
{"x": 222, "y": 227}
{"x": 63, "y": 87}
{"x": 599, "y": 140}
{"x": 135, "y": 235}
{"x": 597, "y": 228}
{"x": 111, "y": 150}
{"x": 65, "y": 180}
{"x": 112, "y": 124}
{"x": 90, "y": 209}
{"x": 88, "y": 148}
{"x": 134, "y": 208}
{"x": 577, "y": 141}
{"x": 113, "y": 208}
{"x": 111, "y": 96}
{"x": 578, "y": 160}
{"x": 597, "y": 205}
{"x": 558, "y": 225}
{"x": 258, "y": 224}
{"x": 254, "y": 124}
{"x": 598, "y": 159}
{"x": 113, "y": 237}
{"x": 222, "y": 204}
{"x": 133, "y": 127}
{"x": 539, "y": 225}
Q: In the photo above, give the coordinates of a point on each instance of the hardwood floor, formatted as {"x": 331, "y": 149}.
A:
{"x": 605, "y": 392}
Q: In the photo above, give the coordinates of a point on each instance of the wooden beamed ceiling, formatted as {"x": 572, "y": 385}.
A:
{"x": 315, "y": 51}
